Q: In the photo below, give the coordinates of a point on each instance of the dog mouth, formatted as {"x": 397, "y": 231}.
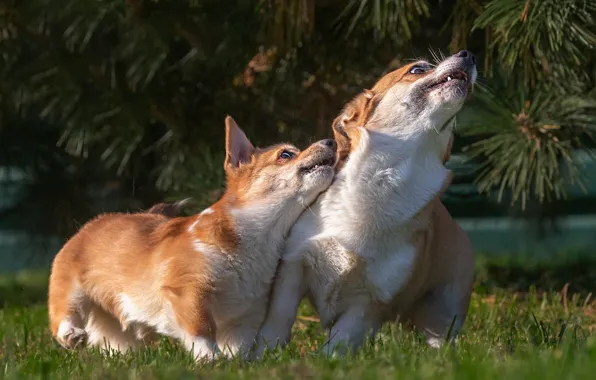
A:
{"x": 454, "y": 77}
{"x": 327, "y": 162}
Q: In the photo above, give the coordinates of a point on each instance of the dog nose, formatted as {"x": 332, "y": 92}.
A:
{"x": 467, "y": 56}
{"x": 328, "y": 143}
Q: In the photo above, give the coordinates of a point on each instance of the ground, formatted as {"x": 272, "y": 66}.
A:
{"x": 527, "y": 320}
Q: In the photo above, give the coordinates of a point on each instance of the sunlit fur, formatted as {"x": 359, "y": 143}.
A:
{"x": 204, "y": 279}
{"x": 378, "y": 244}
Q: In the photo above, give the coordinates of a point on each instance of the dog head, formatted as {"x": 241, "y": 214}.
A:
{"x": 277, "y": 174}
{"x": 413, "y": 101}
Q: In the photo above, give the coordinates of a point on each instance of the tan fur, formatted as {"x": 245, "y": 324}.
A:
{"x": 119, "y": 253}
{"x": 124, "y": 277}
{"x": 444, "y": 254}
{"x": 378, "y": 244}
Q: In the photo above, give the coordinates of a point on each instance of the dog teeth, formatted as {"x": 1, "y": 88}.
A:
{"x": 448, "y": 78}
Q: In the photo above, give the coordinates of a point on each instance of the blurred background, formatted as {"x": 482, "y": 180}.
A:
{"x": 111, "y": 105}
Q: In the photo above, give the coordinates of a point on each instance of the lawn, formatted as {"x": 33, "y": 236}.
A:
{"x": 524, "y": 323}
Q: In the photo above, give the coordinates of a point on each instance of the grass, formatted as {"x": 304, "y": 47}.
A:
{"x": 524, "y": 323}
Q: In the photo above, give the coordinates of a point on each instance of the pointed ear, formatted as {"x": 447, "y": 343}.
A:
{"x": 238, "y": 148}
{"x": 345, "y": 126}
{"x": 356, "y": 112}
{"x": 341, "y": 138}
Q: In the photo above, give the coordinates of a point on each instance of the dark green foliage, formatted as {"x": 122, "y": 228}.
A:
{"x": 546, "y": 40}
{"x": 530, "y": 135}
{"x": 387, "y": 18}
{"x": 540, "y": 105}
{"x": 114, "y": 105}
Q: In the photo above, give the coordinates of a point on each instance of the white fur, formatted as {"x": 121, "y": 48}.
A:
{"x": 192, "y": 227}
{"x": 158, "y": 315}
{"x": 107, "y": 333}
{"x": 65, "y": 328}
{"x": 202, "y": 348}
{"x": 137, "y": 323}
{"x": 351, "y": 251}
{"x": 68, "y": 331}
{"x": 237, "y": 280}
{"x": 354, "y": 241}
{"x": 434, "y": 342}
{"x": 209, "y": 251}
{"x": 244, "y": 277}
{"x": 207, "y": 211}
{"x": 130, "y": 312}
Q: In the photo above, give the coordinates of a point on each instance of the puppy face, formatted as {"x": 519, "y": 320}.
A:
{"x": 279, "y": 173}
{"x": 410, "y": 101}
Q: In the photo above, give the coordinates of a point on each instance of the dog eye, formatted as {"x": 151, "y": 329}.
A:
{"x": 418, "y": 70}
{"x": 286, "y": 155}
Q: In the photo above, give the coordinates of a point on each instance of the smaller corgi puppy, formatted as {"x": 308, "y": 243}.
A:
{"x": 379, "y": 245}
{"x": 205, "y": 279}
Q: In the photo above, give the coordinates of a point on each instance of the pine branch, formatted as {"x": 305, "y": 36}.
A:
{"x": 544, "y": 40}
{"x": 533, "y": 136}
{"x": 289, "y": 23}
{"x": 462, "y": 18}
{"x": 395, "y": 19}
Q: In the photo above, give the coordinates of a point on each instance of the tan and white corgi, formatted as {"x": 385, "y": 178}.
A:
{"x": 379, "y": 244}
{"x": 204, "y": 279}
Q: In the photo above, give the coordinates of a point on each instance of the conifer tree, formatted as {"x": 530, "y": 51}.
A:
{"x": 122, "y": 100}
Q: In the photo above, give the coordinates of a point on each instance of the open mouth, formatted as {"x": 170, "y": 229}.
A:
{"x": 457, "y": 76}
{"x": 325, "y": 163}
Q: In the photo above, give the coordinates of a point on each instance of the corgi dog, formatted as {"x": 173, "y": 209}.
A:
{"x": 204, "y": 280}
{"x": 379, "y": 245}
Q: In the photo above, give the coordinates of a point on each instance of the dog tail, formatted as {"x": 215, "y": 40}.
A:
{"x": 171, "y": 210}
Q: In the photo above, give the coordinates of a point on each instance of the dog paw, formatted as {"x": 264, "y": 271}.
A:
{"x": 208, "y": 357}
{"x": 73, "y": 338}
{"x": 435, "y": 342}
{"x": 205, "y": 351}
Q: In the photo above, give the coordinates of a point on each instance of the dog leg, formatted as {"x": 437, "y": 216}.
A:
{"x": 238, "y": 337}
{"x": 106, "y": 332}
{"x": 67, "y": 307}
{"x": 193, "y": 323}
{"x": 288, "y": 291}
{"x": 69, "y": 334}
{"x": 351, "y": 329}
{"x": 203, "y": 349}
{"x": 440, "y": 314}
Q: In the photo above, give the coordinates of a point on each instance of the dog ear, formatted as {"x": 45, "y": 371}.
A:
{"x": 354, "y": 115}
{"x": 239, "y": 149}
{"x": 341, "y": 138}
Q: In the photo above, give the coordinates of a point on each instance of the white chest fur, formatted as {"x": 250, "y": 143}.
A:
{"x": 246, "y": 274}
{"x": 355, "y": 241}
